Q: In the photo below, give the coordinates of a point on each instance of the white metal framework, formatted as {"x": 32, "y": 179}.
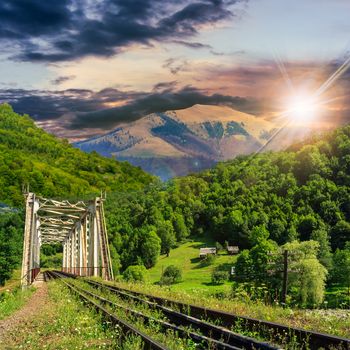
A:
{"x": 81, "y": 229}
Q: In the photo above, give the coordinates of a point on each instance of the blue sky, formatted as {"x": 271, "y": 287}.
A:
{"x": 65, "y": 62}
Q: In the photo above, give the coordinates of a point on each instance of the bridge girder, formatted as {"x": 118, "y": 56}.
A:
{"x": 80, "y": 227}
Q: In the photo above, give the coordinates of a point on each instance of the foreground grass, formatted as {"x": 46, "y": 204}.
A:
{"x": 336, "y": 322}
{"x": 195, "y": 274}
{"x": 13, "y": 282}
{"x": 13, "y": 299}
{"x": 65, "y": 323}
{"x": 122, "y": 309}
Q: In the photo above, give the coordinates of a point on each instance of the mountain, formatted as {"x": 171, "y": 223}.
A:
{"x": 52, "y": 167}
{"x": 183, "y": 141}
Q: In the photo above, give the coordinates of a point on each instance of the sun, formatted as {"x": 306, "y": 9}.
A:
{"x": 302, "y": 108}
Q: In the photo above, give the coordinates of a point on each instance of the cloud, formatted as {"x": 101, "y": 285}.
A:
{"x": 71, "y": 29}
{"x": 165, "y": 86}
{"x": 232, "y": 53}
{"x": 73, "y": 112}
{"x": 62, "y": 79}
{"x": 48, "y": 105}
{"x": 81, "y": 109}
{"x": 192, "y": 45}
{"x": 175, "y": 65}
{"x": 157, "y": 102}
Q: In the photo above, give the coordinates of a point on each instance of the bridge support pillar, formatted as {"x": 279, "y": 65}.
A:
{"x": 31, "y": 253}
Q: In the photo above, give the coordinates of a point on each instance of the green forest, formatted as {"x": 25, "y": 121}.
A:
{"x": 296, "y": 200}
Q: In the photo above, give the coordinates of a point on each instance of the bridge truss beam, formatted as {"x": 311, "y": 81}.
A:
{"x": 81, "y": 229}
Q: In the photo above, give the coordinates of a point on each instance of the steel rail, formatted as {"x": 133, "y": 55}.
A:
{"x": 307, "y": 339}
{"x": 150, "y": 344}
{"x": 178, "y": 318}
{"x": 203, "y": 342}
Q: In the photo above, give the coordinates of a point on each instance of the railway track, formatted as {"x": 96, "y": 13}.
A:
{"x": 269, "y": 330}
{"x": 127, "y": 328}
{"x": 181, "y": 324}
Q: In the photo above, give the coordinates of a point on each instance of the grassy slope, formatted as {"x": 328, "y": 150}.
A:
{"x": 195, "y": 275}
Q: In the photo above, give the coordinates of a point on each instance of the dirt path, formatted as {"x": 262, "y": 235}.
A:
{"x": 23, "y": 316}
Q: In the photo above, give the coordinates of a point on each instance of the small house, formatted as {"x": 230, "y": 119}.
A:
{"x": 204, "y": 252}
{"x": 232, "y": 249}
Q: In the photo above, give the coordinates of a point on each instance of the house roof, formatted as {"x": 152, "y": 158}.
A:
{"x": 207, "y": 250}
{"x": 232, "y": 247}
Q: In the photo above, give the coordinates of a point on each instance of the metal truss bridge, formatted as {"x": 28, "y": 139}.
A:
{"x": 81, "y": 229}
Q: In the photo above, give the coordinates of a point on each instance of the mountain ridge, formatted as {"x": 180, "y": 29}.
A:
{"x": 178, "y": 142}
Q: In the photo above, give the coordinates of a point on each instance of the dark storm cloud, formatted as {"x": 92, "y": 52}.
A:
{"x": 157, "y": 102}
{"x": 48, "y": 105}
{"x": 23, "y": 19}
{"x": 70, "y": 29}
{"x": 85, "y": 109}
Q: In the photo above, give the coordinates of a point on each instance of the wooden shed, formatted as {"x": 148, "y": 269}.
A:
{"x": 232, "y": 249}
{"x": 203, "y": 252}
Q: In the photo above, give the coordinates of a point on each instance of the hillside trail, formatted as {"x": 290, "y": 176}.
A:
{"x": 35, "y": 305}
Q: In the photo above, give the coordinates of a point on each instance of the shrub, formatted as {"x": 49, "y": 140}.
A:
{"x": 219, "y": 247}
{"x": 52, "y": 261}
{"x": 208, "y": 260}
{"x": 172, "y": 274}
{"x": 135, "y": 273}
{"x": 219, "y": 276}
{"x": 250, "y": 291}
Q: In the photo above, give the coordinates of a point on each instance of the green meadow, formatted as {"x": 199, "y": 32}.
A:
{"x": 196, "y": 274}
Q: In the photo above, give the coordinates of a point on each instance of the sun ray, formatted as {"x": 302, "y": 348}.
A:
{"x": 283, "y": 71}
{"x": 333, "y": 78}
{"x": 273, "y": 137}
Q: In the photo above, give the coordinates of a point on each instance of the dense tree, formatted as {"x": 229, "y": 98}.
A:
{"x": 180, "y": 227}
{"x": 244, "y": 267}
{"x": 256, "y": 264}
{"x": 150, "y": 247}
{"x": 172, "y": 274}
{"x": 340, "y": 234}
{"x": 11, "y": 231}
{"x": 166, "y": 233}
{"x": 341, "y": 267}
{"x": 308, "y": 275}
{"x": 135, "y": 273}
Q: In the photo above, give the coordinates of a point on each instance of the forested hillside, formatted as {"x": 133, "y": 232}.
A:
{"x": 53, "y": 168}
{"x": 265, "y": 200}
{"x": 50, "y": 167}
